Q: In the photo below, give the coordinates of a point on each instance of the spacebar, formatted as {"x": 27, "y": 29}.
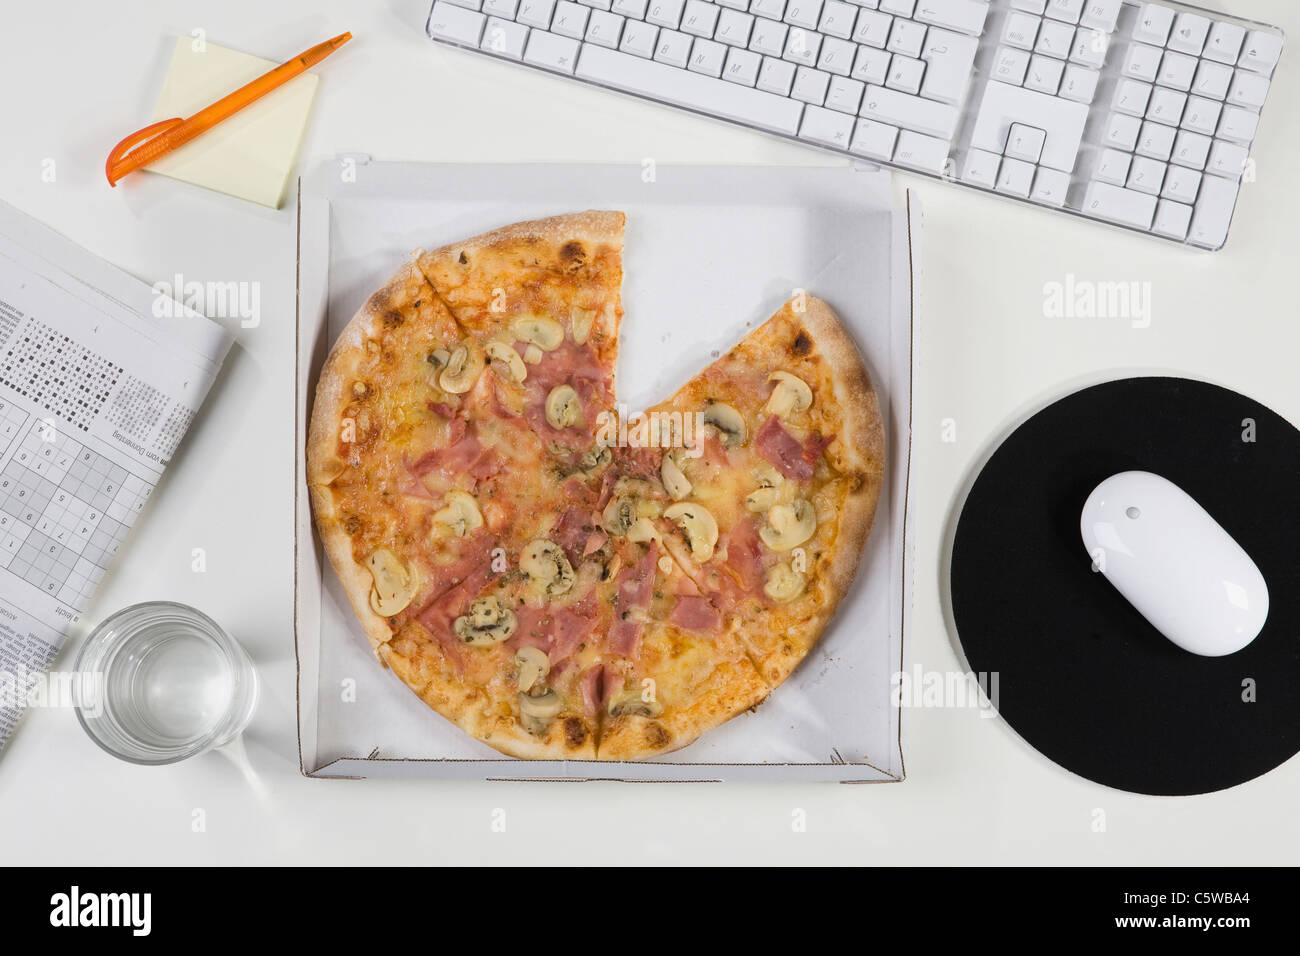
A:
{"x": 694, "y": 91}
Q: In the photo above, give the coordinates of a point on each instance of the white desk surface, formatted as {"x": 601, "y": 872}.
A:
{"x": 80, "y": 75}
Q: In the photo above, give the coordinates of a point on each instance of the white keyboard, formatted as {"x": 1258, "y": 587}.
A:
{"x": 1137, "y": 114}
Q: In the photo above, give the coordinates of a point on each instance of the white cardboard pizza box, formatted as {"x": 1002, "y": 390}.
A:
{"x": 710, "y": 253}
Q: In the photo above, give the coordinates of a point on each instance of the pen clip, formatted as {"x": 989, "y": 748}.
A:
{"x": 134, "y": 140}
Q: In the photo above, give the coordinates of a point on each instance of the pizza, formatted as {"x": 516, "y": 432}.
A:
{"x": 557, "y": 580}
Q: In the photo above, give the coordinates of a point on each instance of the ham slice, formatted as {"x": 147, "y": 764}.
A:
{"x": 745, "y": 554}
{"x": 438, "y": 616}
{"x": 695, "y": 614}
{"x": 791, "y": 457}
{"x": 599, "y": 683}
{"x": 635, "y": 588}
{"x": 558, "y": 632}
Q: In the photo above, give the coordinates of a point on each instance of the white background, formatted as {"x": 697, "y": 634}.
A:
{"x": 78, "y": 76}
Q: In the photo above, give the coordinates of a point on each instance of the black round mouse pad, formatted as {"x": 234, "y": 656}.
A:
{"x": 1081, "y": 675}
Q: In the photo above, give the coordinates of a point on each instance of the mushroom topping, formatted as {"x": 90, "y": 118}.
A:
{"x": 546, "y": 334}
{"x": 563, "y": 408}
{"x": 701, "y": 530}
{"x": 789, "y": 526}
{"x": 619, "y": 514}
{"x": 460, "y": 514}
{"x": 505, "y": 361}
{"x": 533, "y": 665}
{"x": 394, "y": 584}
{"x": 728, "y": 423}
{"x": 580, "y": 321}
{"x": 630, "y": 703}
{"x": 461, "y": 371}
{"x": 532, "y": 355}
{"x": 675, "y": 481}
{"x": 760, "y": 499}
{"x": 596, "y": 458}
{"x": 488, "y": 623}
{"x": 536, "y": 713}
{"x": 783, "y": 583}
{"x": 438, "y": 358}
{"x": 547, "y": 567}
{"x": 791, "y": 394}
{"x": 643, "y": 531}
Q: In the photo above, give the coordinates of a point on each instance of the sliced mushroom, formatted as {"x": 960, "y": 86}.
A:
{"x": 460, "y": 514}
{"x": 580, "y": 322}
{"x": 533, "y": 664}
{"x": 700, "y": 527}
{"x": 630, "y": 703}
{"x": 643, "y": 531}
{"x": 595, "y": 458}
{"x": 506, "y": 361}
{"x": 784, "y": 583}
{"x": 547, "y": 567}
{"x": 675, "y": 481}
{"x": 461, "y": 371}
{"x": 791, "y": 394}
{"x": 760, "y": 499}
{"x": 619, "y": 514}
{"x": 536, "y": 713}
{"x": 563, "y": 407}
{"x": 488, "y": 623}
{"x": 394, "y": 585}
{"x": 546, "y": 334}
{"x": 532, "y": 355}
{"x": 789, "y": 526}
{"x": 728, "y": 423}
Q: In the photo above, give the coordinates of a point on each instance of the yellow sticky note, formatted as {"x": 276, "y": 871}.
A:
{"x": 250, "y": 154}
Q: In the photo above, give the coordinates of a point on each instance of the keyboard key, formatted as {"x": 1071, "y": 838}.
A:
{"x": 1172, "y": 219}
{"x": 768, "y": 37}
{"x": 776, "y": 76}
{"x": 570, "y": 20}
{"x": 1248, "y": 90}
{"x": 1101, "y": 14}
{"x": 1062, "y": 120}
{"x": 691, "y": 90}
{"x": 699, "y": 18}
{"x": 1213, "y": 213}
{"x": 906, "y": 38}
{"x": 1201, "y": 115}
{"x": 1153, "y": 24}
{"x": 1036, "y": 7}
{"x": 1227, "y": 160}
{"x": 635, "y": 9}
{"x": 1051, "y": 187}
{"x": 836, "y": 56}
{"x": 1142, "y": 63}
{"x": 1025, "y": 143}
{"x": 673, "y": 48}
{"x": 1213, "y": 79}
{"x": 551, "y": 51}
{"x": 665, "y": 13}
{"x": 1177, "y": 71}
{"x": 918, "y": 151}
{"x": 1122, "y": 132}
{"x": 596, "y": 4}
{"x": 1115, "y": 204}
{"x": 1079, "y": 84}
{"x": 741, "y": 5}
{"x": 505, "y": 9}
{"x": 1189, "y": 33}
{"x": 874, "y": 140}
{"x": 1055, "y": 39}
{"x": 826, "y": 127}
{"x": 1010, "y": 65}
{"x": 1016, "y": 178}
{"x": 802, "y": 46}
{"x": 1166, "y": 106}
{"x": 467, "y": 4}
{"x": 1181, "y": 184}
{"x": 505, "y": 38}
{"x": 903, "y": 8}
{"x": 837, "y": 19}
{"x": 964, "y": 16}
{"x": 639, "y": 38}
{"x": 1067, "y": 10}
{"x": 536, "y": 13}
{"x": 604, "y": 29}
{"x": 1238, "y": 125}
{"x": 1156, "y": 141}
{"x": 1089, "y": 48}
{"x": 949, "y": 59}
{"x": 707, "y": 57}
{"x": 803, "y": 13}
{"x": 905, "y": 74}
{"x": 980, "y": 168}
{"x": 1225, "y": 43}
{"x": 1112, "y": 167}
{"x": 1191, "y": 149}
{"x": 771, "y": 9}
{"x": 1131, "y": 98}
{"x": 844, "y": 95}
{"x": 871, "y": 66}
{"x": 1044, "y": 74}
{"x": 742, "y": 67}
{"x": 910, "y": 112}
{"x": 456, "y": 24}
{"x": 873, "y": 28}
{"x": 734, "y": 28}
{"x": 810, "y": 85}
{"x": 1260, "y": 52}
{"x": 1020, "y": 30}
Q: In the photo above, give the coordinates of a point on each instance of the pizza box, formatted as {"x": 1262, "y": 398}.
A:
{"x": 711, "y": 251}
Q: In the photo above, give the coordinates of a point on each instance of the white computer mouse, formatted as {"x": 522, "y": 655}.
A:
{"x": 1174, "y": 563}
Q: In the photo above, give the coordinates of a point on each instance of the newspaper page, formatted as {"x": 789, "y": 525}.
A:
{"x": 99, "y": 379}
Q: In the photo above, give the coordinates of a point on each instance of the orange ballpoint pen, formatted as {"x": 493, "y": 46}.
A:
{"x": 144, "y": 146}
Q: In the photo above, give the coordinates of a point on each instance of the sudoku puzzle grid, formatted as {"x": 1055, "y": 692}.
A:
{"x": 58, "y": 374}
{"x": 64, "y": 512}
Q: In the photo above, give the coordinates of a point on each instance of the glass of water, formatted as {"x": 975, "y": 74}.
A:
{"x": 160, "y": 682}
